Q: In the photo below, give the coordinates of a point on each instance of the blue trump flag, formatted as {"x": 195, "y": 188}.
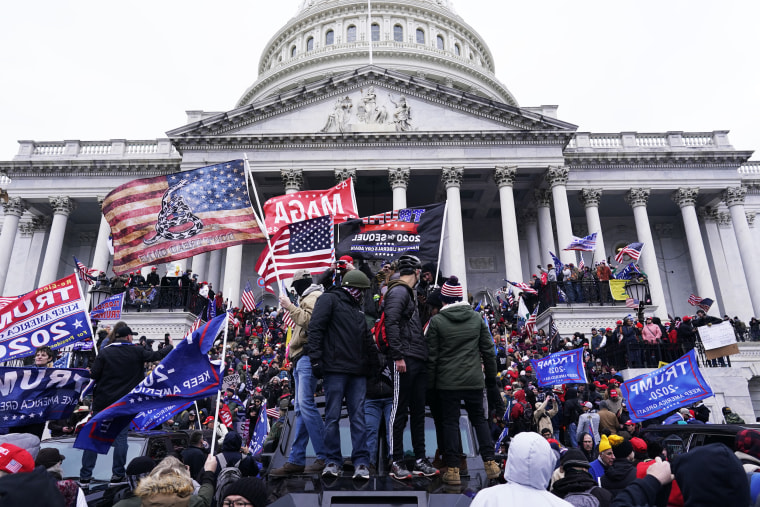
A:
{"x": 36, "y": 395}
{"x": 260, "y": 431}
{"x": 186, "y": 374}
{"x": 665, "y": 389}
{"x": 560, "y": 368}
{"x": 109, "y": 309}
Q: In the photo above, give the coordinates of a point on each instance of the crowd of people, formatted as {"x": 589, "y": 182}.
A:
{"x": 389, "y": 345}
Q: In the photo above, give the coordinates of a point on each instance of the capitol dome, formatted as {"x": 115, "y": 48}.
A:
{"x": 419, "y": 38}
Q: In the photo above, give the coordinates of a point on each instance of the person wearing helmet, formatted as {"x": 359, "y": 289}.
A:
{"x": 339, "y": 349}
{"x": 409, "y": 352}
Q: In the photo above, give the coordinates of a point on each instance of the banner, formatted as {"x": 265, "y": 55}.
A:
{"x": 35, "y": 395}
{"x": 109, "y": 309}
{"x": 186, "y": 374}
{"x": 717, "y": 335}
{"x": 560, "y": 368}
{"x": 52, "y": 316}
{"x": 231, "y": 381}
{"x": 617, "y": 289}
{"x": 389, "y": 235}
{"x": 666, "y": 389}
{"x": 172, "y": 217}
{"x": 338, "y": 202}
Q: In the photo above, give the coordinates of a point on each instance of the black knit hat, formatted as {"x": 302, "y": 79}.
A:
{"x": 574, "y": 458}
{"x": 623, "y": 449}
{"x": 251, "y": 488}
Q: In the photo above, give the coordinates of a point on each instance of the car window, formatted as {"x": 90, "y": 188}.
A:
{"x": 709, "y": 438}
{"x": 73, "y": 461}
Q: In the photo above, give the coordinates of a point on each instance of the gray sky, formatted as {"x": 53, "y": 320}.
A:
{"x": 95, "y": 70}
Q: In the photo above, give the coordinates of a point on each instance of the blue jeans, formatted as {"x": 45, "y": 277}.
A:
{"x": 309, "y": 424}
{"x": 374, "y": 412}
{"x": 570, "y": 292}
{"x": 120, "y": 446}
{"x": 353, "y": 388}
{"x": 572, "y": 429}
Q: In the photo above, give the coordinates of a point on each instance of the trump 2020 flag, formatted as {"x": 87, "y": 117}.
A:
{"x": 260, "y": 431}
{"x": 585, "y": 244}
{"x": 166, "y": 218}
{"x": 109, "y": 309}
{"x": 665, "y": 389}
{"x": 560, "y": 368}
{"x": 186, "y": 374}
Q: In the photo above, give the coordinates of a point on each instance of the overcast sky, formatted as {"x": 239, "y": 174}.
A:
{"x": 97, "y": 70}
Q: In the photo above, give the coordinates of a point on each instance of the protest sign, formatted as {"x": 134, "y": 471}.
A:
{"x": 560, "y": 368}
{"x": 231, "y": 381}
{"x": 109, "y": 309}
{"x": 36, "y": 395}
{"x": 665, "y": 389}
{"x": 52, "y": 316}
{"x": 718, "y": 339}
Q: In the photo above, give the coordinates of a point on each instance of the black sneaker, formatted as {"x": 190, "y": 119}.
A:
{"x": 84, "y": 484}
{"x": 399, "y": 471}
{"x": 117, "y": 479}
{"x": 423, "y": 467}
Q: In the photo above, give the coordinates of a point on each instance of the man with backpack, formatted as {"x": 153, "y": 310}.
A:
{"x": 577, "y": 487}
{"x": 521, "y": 415}
{"x": 232, "y": 464}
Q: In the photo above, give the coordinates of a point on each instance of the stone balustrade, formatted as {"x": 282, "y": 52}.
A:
{"x": 84, "y": 150}
{"x": 636, "y": 141}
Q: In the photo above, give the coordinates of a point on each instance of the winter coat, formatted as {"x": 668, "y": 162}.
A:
{"x": 619, "y": 475}
{"x": 711, "y": 475}
{"x": 543, "y": 416}
{"x": 402, "y": 322}
{"x": 651, "y": 333}
{"x": 589, "y": 423}
{"x": 640, "y": 493}
{"x": 203, "y": 499}
{"x": 460, "y": 349}
{"x": 339, "y": 339}
{"x": 579, "y": 481}
{"x": 573, "y": 408}
{"x": 301, "y": 315}
{"x": 607, "y": 420}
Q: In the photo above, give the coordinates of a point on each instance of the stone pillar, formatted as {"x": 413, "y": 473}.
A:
{"x": 292, "y": 179}
{"x": 37, "y": 231}
{"x": 62, "y": 208}
{"x": 734, "y": 198}
{"x": 200, "y": 266}
{"x": 344, "y": 173}
{"x": 686, "y": 198}
{"x": 232, "y": 267}
{"x": 736, "y": 295}
{"x": 505, "y": 178}
{"x": 398, "y": 177}
{"x": 530, "y": 221}
{"x": 102, "y": 256}
{"x": 557, "y": 178}
{"x": 13, "y": 209}
{"x": 590, "y": 198}
{"x": 638, "y": 198}
{"x": 214, "y": 275}
{"x": 454, "y": 250}
{"x": 545, "y": 231}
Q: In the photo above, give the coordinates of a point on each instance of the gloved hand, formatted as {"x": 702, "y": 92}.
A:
{"x": 316, "y": 370}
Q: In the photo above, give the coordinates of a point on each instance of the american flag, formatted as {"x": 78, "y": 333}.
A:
{"x": 581, "y": 264}
{"x": 510, "y": 297}
{"x": 247, "y": 298}
{"x": 586, "y": 244}
{"x": 274, "y": 413}
{"x": 632, "y": 303}
{"x": 287, "y": 319}
{"x": 166, "y": 218}
{"x": 86, "y": 274}
{"x": 703, "y": 303}
{"x": 301, "y": 245}
{"x": 530, "y": 324}
{"x": 554, "y": 335}
{"x": 524, "y": 286}
{"x": 633, "y": 251}
{"x": 14, "y": 466}
{"x": 557, "y": 263}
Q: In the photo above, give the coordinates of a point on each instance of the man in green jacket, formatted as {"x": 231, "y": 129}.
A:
{"x": 460, "y": 351}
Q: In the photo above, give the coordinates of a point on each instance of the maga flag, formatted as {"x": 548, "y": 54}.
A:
{"x": 585, "y": 244}
{"x": 560, "y": 368}
{"x": 186, "y": 374}
{"x": 260, "y": 431}
{"x": 109, "y": 309}
{"x": 391, "y": 234}
{"x": 173, "y": 217}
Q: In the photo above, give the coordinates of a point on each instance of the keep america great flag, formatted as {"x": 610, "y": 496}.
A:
{"x": 172, "y": 217}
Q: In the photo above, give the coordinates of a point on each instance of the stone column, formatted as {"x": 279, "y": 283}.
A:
{"x": 232, "y": 267}
{"x": 529, "y": 220}
{"x": 590, "y": 198}
{"x": 102, "y": 256}
{"x": 454, "y": 251}
{"x": 734, "y": 198}
{"x": 344, "y": 173}
{"x": 505, "y": 178}
{"x": 37, "y": 231}
{"x": 292, "y": 179}
{"x": 200, "y": 266}
{"x": 62, "y": 208}
{"x": 557, "y": 178}
{"x": 13, "y": 209}
{"x": 214, "y": 275}
{"x": 638, "y": 198}
{"x": 686, "y": 198}
{"x": 736, "y": 293}
{"x": 398, "y": 177}
{"x": 545, "y": 231}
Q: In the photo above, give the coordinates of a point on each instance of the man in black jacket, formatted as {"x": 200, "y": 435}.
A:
{"x": 409, "y": 352}
{"x": 339, "y": 348}
{"x": 118, "y": 369}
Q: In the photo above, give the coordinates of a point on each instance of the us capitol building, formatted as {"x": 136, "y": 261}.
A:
{"x": 417, "y": 116}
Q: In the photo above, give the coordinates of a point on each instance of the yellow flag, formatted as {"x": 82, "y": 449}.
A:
{"x": 617, "y": 289}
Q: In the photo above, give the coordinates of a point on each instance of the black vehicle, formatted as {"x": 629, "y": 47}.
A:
{"x": 312, "y": 490}
{"x": 681, "y": 438}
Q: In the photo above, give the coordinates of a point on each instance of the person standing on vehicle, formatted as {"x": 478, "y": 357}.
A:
{"x": 309, "y": 424}
{"x": 339, "y": 350}
{"x": 460, "y": 352}
{"x": 116, "y": 371}
{"x": 409, "y": 352}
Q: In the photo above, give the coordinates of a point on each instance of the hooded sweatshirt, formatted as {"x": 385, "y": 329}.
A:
{"x": 711, "y": 475}
{"x": 530, "y": 463}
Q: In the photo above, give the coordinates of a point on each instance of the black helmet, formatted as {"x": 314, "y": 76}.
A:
{"x": 407, "y": 264}
{"x": 355, "y": 279}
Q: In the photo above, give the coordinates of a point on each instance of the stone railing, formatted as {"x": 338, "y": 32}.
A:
{"x": 115, "y": 148}
{"x": 751, "y": 168}
{"x": 632, "y": 141}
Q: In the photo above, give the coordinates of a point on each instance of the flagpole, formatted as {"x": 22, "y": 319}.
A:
{"x": 221, "y": 376}
{"x": 440, "y": 242}
{"x": 198, "y": 415}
